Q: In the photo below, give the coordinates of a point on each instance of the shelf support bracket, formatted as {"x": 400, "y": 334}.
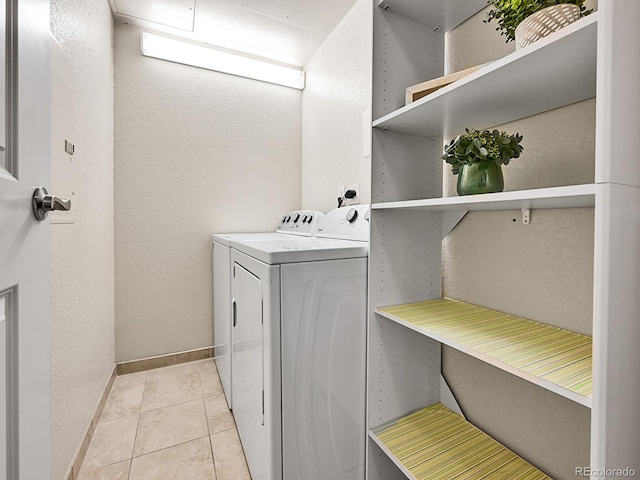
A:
{"x": 526, "y": 216}
{"x": 450, "y": 220}
{"x": 447, "y": 398}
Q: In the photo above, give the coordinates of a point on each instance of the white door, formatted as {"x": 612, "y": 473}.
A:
{"x": 24, "y": 241}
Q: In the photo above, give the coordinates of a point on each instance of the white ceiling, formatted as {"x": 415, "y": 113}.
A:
{"x": 287, "y": 31}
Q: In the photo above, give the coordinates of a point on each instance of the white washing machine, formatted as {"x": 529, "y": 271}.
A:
{"x": 299, "y": 350}
{"x": 300, "y": 223}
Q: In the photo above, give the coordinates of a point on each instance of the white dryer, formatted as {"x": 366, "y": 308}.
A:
{"x": 299, "y": 350}
{"x": 300, "y": 223}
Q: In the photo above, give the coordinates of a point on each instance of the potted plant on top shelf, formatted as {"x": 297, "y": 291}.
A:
{"x": 526, "y": 21}
{"x": 477, "y": 158}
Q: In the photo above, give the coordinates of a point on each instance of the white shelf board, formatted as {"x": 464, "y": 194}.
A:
{"x": 571, "y": 196}
{"x": 445, "y": 14}
{"x": 555, "y": 71}
{"x": 443, "y": 339}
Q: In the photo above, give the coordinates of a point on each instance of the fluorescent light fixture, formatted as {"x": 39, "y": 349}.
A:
{"x": 198, "y": 56}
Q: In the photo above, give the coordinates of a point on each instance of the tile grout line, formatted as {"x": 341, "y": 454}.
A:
{"x": 166, "y": 406}
{"x": 112, "y": 463}
{"x": 146, "y": 382}
{"x": 173, "y": 375}
{"x": 168, "y": 447}
{"x": 204, "y": 405}
{"x": 213, "y": 460}
{"x": 206, "y": 419}
{"x": 137, "y": 428}
{"x": 172, "y": 405}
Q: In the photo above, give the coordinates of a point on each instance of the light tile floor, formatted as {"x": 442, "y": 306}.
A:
{"x": 171, "y": 423}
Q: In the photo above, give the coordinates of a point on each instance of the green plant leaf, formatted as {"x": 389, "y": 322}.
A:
{"x": 483, "y": 147}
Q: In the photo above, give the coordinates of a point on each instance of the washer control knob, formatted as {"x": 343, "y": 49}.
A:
{"x": 367, "y": 215}
{"x": 304, "y": 219}
{"x": 310, "y": 219}
{"x": 352, "y": 215}
{"x": 296, "y": 218}
{"x": 284, "y": 219}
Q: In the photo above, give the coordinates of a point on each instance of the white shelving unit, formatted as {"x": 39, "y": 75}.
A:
{"x": 572, "y": 196}
{"x": 507, "y": 86}
{"x": 596, "y": 56}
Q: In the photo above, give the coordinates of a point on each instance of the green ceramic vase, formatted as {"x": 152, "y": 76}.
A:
{"x": 480, "y": 177}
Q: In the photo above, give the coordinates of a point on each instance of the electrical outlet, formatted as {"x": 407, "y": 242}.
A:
{"x": 341, "y": 190}
{"x": 355, "y": 200}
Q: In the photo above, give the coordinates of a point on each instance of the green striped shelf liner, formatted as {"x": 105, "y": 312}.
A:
{"x": 546, "y": 352}
{"x": 435, "y": 443}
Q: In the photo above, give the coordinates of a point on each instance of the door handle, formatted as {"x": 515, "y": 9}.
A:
{"x": 235, "y": 312}
{"x": 43, "y": 203}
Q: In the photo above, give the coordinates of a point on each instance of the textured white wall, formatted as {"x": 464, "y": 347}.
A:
{"x": 338, "y": 92}
{"x": 542, "y": 271}
{"x": 556, "y": 250}
{"x": 82, "y": 331}
{"x": 197, "y": 152}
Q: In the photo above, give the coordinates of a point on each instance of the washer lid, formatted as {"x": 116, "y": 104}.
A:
{"x": 300, "y": 249}
{"x": 225, "y": 238}
{"x": 299, "y": 223}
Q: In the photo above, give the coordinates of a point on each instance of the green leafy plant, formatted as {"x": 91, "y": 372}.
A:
{"x": 482, "y": 146}
{"x": 509, "y": 13}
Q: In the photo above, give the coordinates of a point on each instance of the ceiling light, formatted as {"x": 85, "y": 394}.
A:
{"x": 199, "y": 56}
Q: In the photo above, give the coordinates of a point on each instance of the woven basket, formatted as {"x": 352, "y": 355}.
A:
{"x": 544, "y": 22}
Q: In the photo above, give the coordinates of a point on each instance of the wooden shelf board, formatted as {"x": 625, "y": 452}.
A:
{"x": 555, "y": 71}
{"x": 435, "y": 443}
{"x": 553, "y": 358}
{"x": 571, "y": 196}
{"x": 416, "y": 92}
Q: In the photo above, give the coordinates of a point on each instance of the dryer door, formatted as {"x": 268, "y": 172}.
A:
{"x": 248, "y": 381}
